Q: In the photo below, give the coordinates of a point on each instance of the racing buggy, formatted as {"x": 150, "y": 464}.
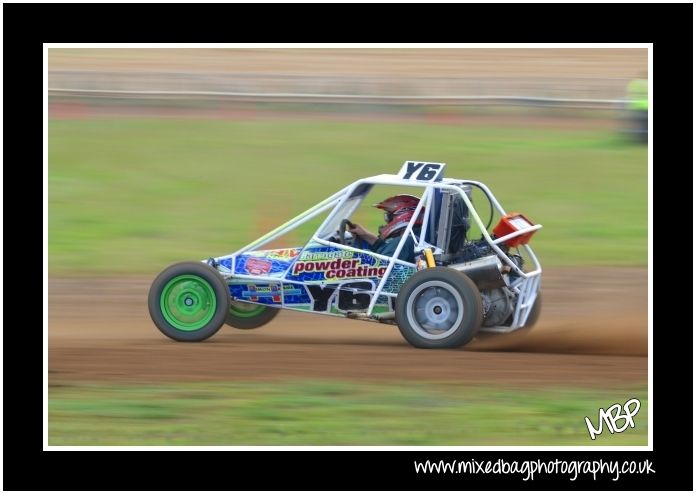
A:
{"x": 456, "y": 288}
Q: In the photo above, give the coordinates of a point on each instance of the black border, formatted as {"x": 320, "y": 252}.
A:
{"x": 27, "y": 26}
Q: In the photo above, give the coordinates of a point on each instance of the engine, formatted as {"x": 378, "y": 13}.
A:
{"x": 498, "y": 304}
{"x": 480, "y": 263}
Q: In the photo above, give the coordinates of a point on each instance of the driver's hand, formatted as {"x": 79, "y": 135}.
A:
{"x": 357, "y": 229}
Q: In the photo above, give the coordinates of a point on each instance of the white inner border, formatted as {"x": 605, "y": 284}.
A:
{"x": 46, "y": 447}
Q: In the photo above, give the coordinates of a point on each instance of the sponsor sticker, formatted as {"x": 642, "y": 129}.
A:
{"x": 257, "y": 266}
{"x": 340, "y": 268}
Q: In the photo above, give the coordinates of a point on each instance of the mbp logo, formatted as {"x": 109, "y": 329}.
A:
{"x": 612, "y": 415}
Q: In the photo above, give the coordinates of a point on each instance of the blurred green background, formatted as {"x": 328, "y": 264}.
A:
{"x": 134, "y": 195}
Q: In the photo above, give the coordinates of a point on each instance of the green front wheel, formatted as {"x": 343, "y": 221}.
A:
{"x": 189, "y": 301}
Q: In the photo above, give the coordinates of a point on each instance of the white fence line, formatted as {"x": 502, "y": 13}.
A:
{"x": 539, "y": 90}
{"x": 342, "y": 98}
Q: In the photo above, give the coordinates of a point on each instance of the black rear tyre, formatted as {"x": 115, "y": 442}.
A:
{"x": 533, "y": 314}
{"x": 439, "y": 308}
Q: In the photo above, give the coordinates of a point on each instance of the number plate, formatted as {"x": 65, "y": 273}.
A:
{"x": 422, "y": 171}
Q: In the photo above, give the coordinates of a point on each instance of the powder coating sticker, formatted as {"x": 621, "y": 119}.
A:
{"x": 339, "y": 269}
{"x": 327, "y": 264}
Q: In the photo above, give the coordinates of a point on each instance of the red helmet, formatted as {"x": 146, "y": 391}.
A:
{"x": 398, "y": 212}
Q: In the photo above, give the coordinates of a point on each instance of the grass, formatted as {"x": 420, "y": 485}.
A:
{"x": 333, "y": 413}
{"x": 133, "y": 195}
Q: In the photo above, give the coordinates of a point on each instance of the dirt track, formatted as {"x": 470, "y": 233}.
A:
{"x": 593, "y": 333}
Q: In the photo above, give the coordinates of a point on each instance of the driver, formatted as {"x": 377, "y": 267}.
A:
{"x": 398, "y": 211}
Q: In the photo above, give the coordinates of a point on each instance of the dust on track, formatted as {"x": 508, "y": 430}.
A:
{"x": 593, "y": 331}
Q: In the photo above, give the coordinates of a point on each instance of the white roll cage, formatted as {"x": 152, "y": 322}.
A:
{"x": 526, "y": 285}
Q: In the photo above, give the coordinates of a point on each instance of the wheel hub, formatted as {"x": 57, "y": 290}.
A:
{"x": 435, "y": 311}
{"x": 188, "y": 302}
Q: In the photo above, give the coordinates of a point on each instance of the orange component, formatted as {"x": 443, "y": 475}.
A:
{"x": 510, "y": 223}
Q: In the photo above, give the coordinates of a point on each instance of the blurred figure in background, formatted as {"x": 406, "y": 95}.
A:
{"x": 638, "y": 108}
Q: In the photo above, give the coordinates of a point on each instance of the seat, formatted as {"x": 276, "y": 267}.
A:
{"x": 449, "y": 221}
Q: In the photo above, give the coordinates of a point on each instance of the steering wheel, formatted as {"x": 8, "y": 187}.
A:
{"x": 342, "y": 233}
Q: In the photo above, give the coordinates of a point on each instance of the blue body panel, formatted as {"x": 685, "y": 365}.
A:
{"x": 317, "y": 278}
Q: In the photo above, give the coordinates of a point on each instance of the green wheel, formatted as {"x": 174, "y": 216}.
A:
{"x": 243, "y": 315}
{"x": 189, "y": 301}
